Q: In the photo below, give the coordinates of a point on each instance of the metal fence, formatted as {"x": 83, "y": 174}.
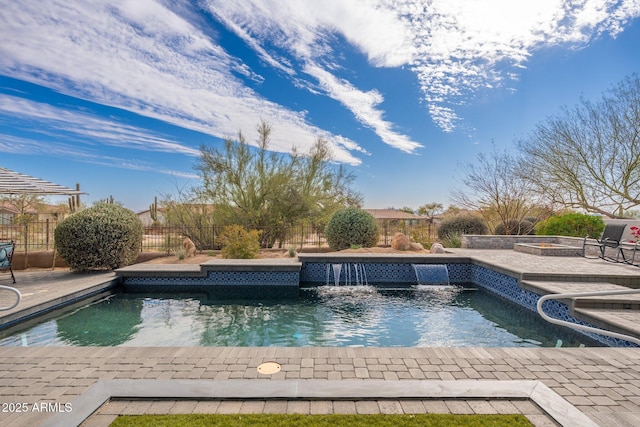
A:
{"x": 168, "y": 239}
{"x": 39, "y": 236}
{"x": 32, "y": 236}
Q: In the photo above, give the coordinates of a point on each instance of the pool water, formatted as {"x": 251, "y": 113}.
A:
{"x": 422, "y": 316}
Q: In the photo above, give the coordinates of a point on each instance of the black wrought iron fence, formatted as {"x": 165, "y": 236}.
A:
{"x": 39, "y": 236}
{"x": 31, "y": 236}
{"x": 168, "y": 239}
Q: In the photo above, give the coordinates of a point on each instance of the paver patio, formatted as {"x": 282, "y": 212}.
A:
{"x": 603, "y": 383}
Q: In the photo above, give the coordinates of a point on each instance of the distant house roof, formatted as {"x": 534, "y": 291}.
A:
{"x": 146, "y": 211}
{"x": 392, "y": 214}
{"x": 8, "y": 207}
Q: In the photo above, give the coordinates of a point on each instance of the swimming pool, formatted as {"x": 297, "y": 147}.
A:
{"x": 415, "y": 316}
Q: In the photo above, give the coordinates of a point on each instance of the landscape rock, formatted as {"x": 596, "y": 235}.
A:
{"x": 437, "y": 248}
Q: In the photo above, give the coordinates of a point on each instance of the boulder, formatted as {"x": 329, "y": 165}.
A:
{"x": 400, "y": 242}
{"x": 437, "y": 248}
{"x": 416, "y": 246}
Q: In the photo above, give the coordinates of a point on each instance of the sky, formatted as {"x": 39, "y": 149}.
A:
{"x": 119, "y": 96}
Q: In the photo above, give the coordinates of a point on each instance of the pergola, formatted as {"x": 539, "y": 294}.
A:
{"x": 17, "y": 183}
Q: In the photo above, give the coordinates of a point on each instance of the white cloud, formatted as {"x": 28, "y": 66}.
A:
{"x": 146, "y": 59}
{"x": 464, "y": 45}
{"x": 362, "y": 104}
{"x": 453, "y": 46}
{"x": 84, "y": 127}
{"x": 164, "y": 62}
{"x": 51, "y": 147}
{"x": 306, "y": 29}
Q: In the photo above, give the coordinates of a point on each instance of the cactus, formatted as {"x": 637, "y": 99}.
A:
{"x": 108, "y": 201}
{"x": 153, "y": 210}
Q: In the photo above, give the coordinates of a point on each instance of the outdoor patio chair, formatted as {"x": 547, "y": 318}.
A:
{"x": 610, "y": 238}
{"x": 6, "y": 253}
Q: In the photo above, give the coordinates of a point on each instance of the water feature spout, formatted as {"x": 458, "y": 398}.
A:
{"x": 355, "y": 274}
{"x": 431, "y": 274}
{"x": 337, "y": 269}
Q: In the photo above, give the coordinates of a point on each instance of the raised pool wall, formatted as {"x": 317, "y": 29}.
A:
{"x": 228, "y": 279}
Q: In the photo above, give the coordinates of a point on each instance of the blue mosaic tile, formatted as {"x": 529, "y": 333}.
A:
{"x": 313, "y": 272}
{"x": 377, "y": 273}
{"x": 507, "y": 287}
{"x": 254, "y": 278}
{"x": 249, "y": 282}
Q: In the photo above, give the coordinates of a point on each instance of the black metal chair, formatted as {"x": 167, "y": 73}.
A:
{"x": 611, "y": 237}
{"x": 6, "y": 254}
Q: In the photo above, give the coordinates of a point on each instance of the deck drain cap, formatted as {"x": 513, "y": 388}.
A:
{"x": 269, "y": 368}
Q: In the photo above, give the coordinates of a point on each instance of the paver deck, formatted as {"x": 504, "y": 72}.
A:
{"x": 603, "y": 383}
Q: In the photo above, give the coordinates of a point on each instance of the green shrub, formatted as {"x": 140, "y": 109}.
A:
{"x": 573, "y": 225}
{"x": 515, "y": 227}
{"x": 452, "y": 240}
{"x": 461, "y": 224}
{"x": 239, "y": 243}
{"x": 351, "y": 227}
{"x": 105, "y": 236}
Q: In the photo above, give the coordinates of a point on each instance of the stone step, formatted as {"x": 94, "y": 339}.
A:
{"x": 608, "y": 302}
{"x": 616, "y": 313}
{"x": 616, "y": 320}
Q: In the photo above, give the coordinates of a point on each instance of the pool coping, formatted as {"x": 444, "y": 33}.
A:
{"x": 103, "y": 391}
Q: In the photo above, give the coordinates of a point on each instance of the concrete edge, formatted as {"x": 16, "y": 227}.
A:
{"x": 558, "y": 408}
{"x": 385, "y": 258}
{"x": 102, "y": 391}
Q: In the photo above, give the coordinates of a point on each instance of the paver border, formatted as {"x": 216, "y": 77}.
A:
{"x": 102, "y": 391}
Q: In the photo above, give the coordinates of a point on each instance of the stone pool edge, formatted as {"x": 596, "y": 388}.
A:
{"x": 102, "y": 392}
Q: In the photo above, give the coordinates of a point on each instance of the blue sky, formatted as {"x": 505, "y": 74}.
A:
{"x": 120, "y": 95}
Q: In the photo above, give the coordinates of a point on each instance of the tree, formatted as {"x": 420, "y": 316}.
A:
{"x": 430, "y": 210}
{"x": 260, "y": 189}
{"x": 193, "y": 215}
{"x": 497, "y": 191}
{"x": 588, "y": 156}
{"x": 26, "y": 207}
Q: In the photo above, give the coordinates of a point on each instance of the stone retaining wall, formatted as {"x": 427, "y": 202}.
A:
{"x": 475, "y": 241}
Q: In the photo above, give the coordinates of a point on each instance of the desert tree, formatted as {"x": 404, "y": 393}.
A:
{"x": 494, "y": 188}
{"x": 262, "y": 189}
{"x": 430, "y": 210}
{"x": 191, "y": 215}
{"x": 588, "y": 156}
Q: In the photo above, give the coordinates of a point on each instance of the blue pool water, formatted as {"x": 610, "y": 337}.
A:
{"x": 430, "y": 316}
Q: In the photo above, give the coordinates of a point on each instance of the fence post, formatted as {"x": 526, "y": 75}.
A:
{"x": 26, "y": 245}
{"x": 46, "y": 230}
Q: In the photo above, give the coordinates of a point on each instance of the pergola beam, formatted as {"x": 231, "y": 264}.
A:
{"x": 16, "y": 183}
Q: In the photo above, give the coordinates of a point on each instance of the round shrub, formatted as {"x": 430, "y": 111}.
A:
{"x": 105, "y": 236}
{"x": 573, "y": 225}
{"x": 462, "y": 224}
{"x": 239, "y": 243}
{"x": 515, "y": 227}
{"x": 351, "y": 227}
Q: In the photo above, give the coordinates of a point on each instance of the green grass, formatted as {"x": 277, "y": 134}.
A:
{"x": 335, "y": 420}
